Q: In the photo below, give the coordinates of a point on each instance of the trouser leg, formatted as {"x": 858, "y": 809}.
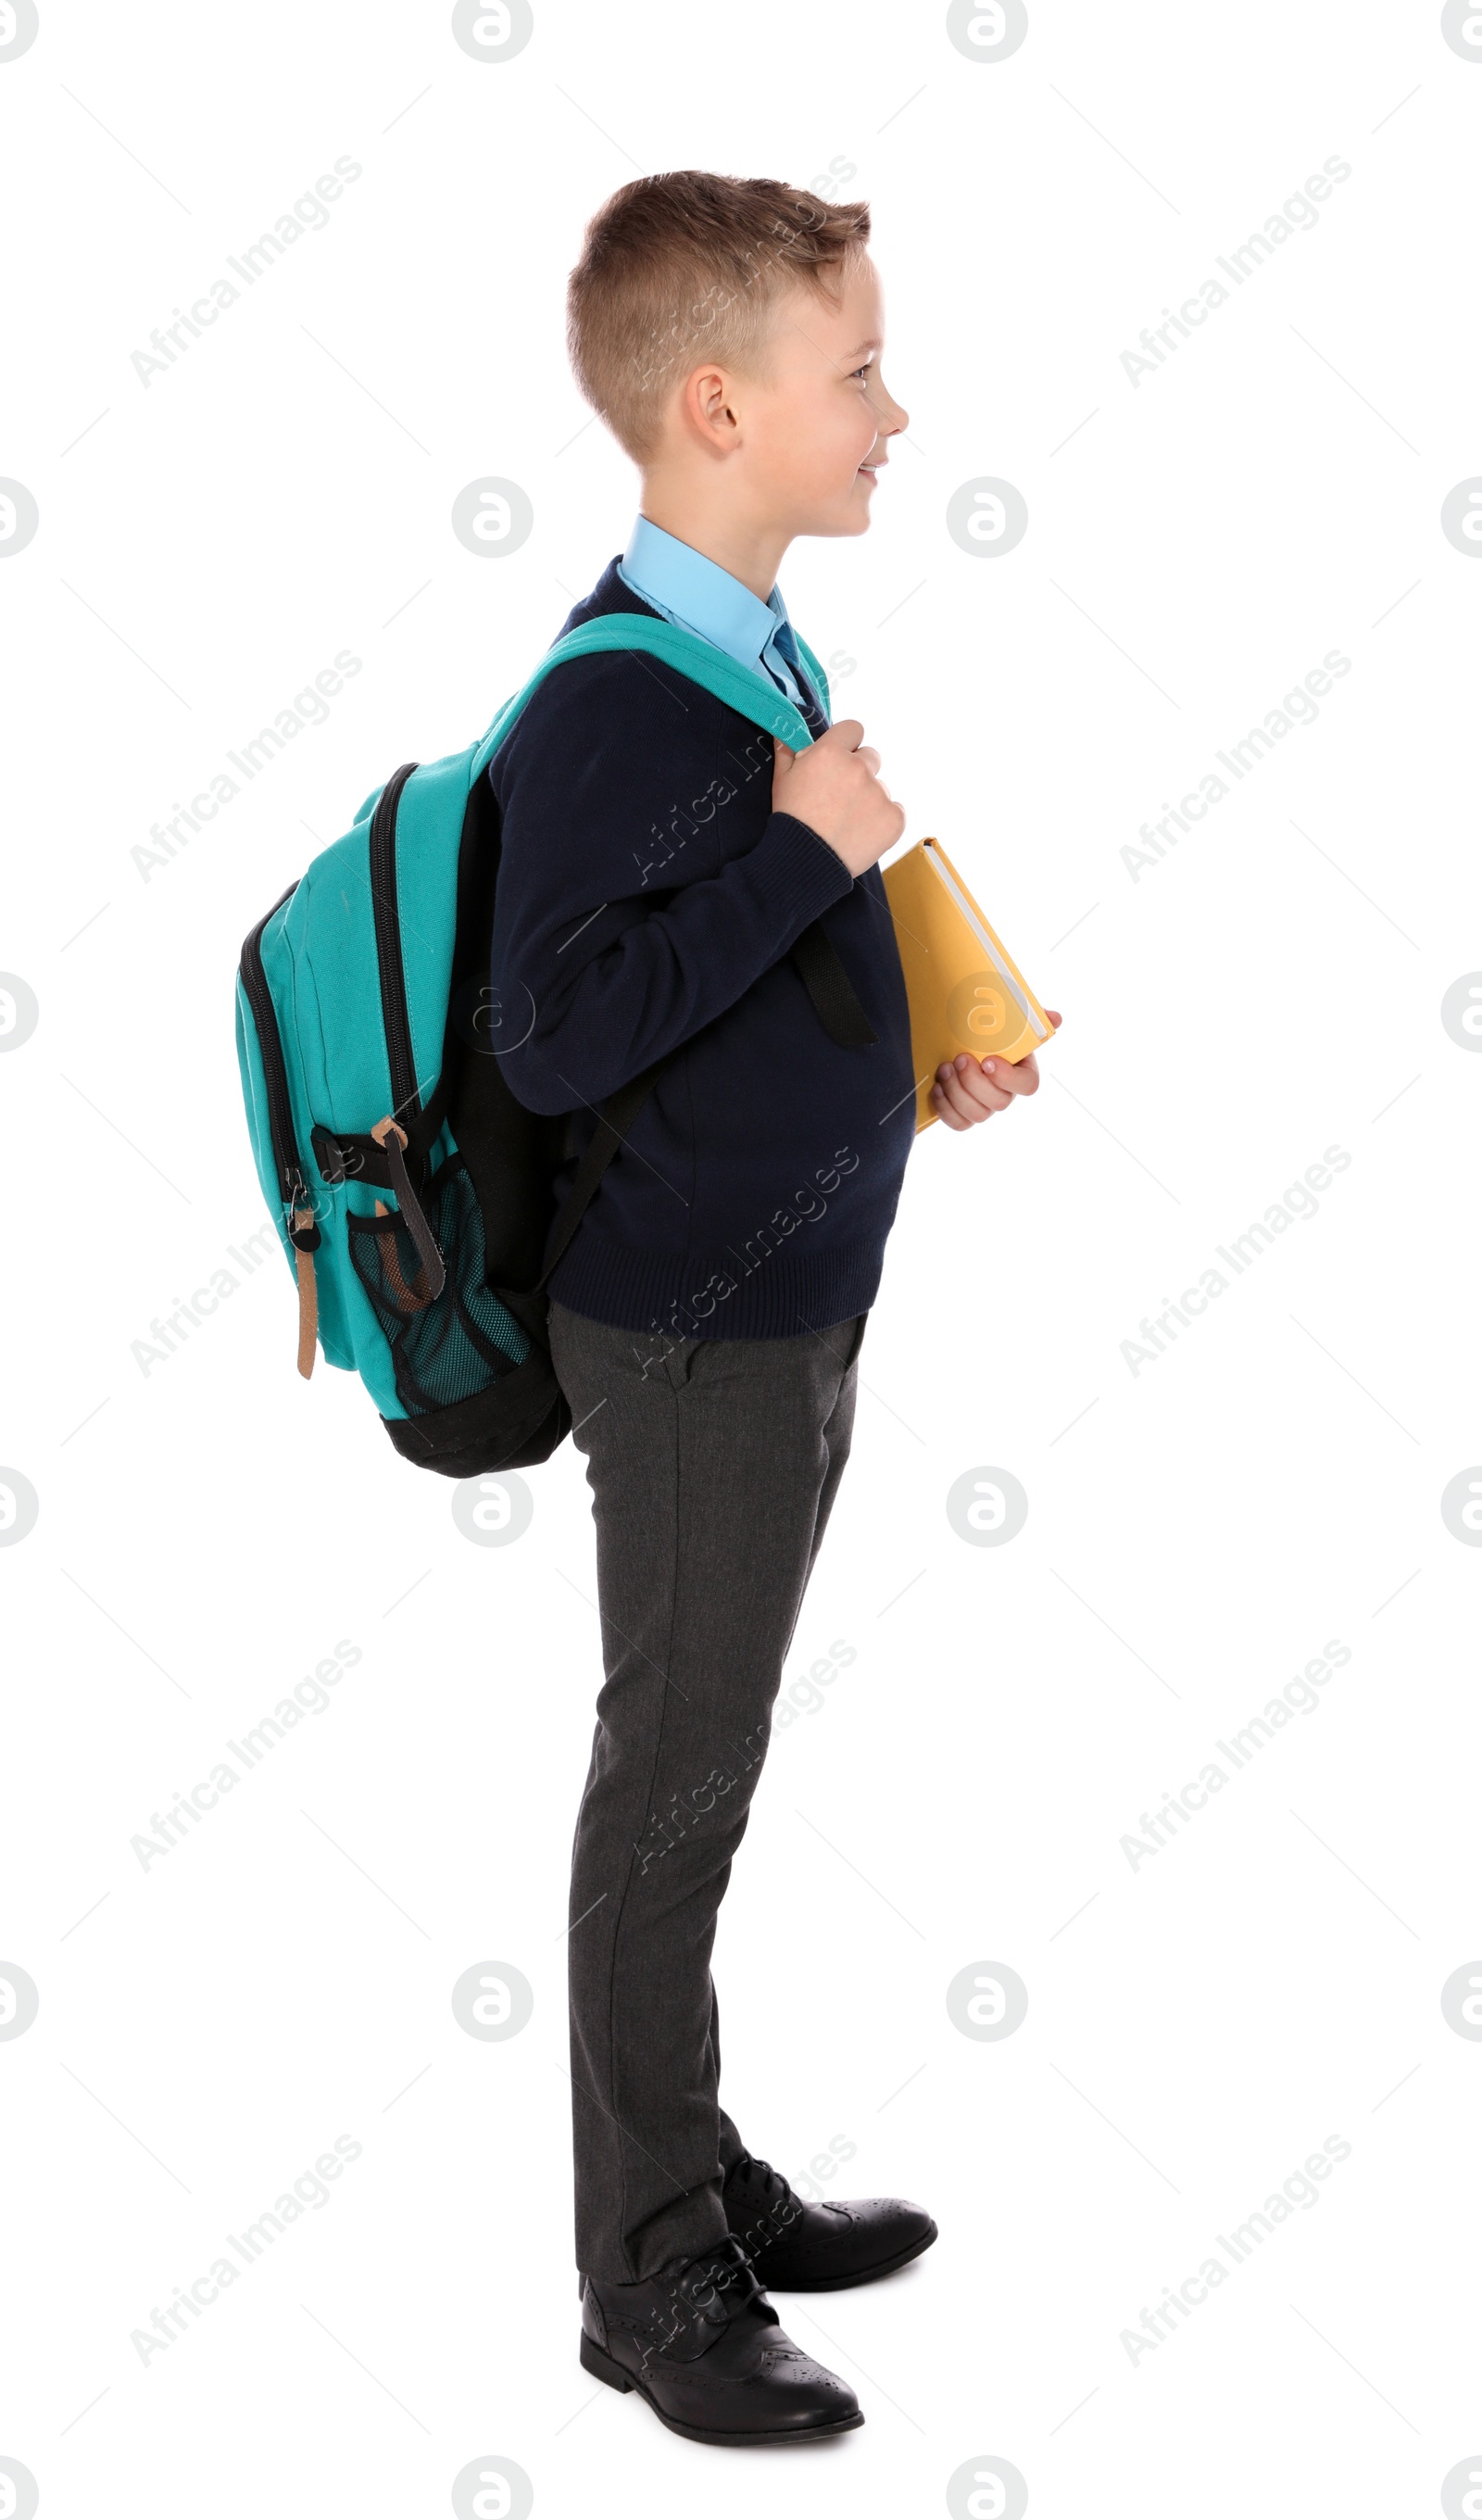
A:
{"x": 712, "y": 1470}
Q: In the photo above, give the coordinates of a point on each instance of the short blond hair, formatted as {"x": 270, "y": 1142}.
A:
{"x": 676, "y": 267}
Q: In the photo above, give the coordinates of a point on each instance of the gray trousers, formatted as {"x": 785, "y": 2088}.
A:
{"x": 713, "y": 1465}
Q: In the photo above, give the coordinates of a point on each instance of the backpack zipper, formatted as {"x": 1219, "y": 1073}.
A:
{"x": 293, "y": 1188}
{"x": 297, "y": 1199}
{"x": 406, "y": 1103}
{"x": 393, "y": 1133}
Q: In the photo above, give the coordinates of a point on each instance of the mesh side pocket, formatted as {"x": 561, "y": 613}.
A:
{"x": 455, "y": 1348}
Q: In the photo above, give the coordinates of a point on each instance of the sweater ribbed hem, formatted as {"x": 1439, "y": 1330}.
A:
{"x": 784, "y": 1294}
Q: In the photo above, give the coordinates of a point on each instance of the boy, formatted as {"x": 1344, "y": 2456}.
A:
{"x": 676, "y": 892}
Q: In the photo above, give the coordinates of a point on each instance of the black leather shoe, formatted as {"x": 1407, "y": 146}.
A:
{"x": 701, "y": 2343}
{"x": 819, "y": 2248}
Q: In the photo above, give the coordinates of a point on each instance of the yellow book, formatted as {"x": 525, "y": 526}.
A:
{"x": 965, "y": 991}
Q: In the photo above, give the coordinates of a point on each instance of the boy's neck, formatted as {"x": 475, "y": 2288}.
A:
{"x": 751, "y": 548}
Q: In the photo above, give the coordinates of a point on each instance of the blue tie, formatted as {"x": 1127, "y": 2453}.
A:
{"x": 783, "y": 646}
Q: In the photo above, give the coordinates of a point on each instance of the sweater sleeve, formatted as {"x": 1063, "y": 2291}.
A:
{"x": 606, "y": 952}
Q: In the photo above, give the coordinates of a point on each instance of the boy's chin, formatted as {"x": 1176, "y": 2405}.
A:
{"x": 851, "y": 517}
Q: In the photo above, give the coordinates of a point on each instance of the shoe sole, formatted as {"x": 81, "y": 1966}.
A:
{"x": 603, "y": 2367}
{"x": 845, "y": 2283}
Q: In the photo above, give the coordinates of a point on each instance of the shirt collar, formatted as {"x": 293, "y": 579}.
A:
{"x": 698, "y": 591}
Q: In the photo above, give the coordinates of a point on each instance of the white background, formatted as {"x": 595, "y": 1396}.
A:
{"x": 1197, "y": 1530}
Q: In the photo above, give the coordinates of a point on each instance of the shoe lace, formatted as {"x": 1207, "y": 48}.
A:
{"x": 751, "y": 2165}
{"x": 719, "y": 2281}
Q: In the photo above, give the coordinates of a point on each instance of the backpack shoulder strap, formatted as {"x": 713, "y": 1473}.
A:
{"x": 645, "y": 634}
{"x": 614, "y": 1120}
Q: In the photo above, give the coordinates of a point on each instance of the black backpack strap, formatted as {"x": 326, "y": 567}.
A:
{"x": 816, "y": 961}
{"x": 613, "y": 1122}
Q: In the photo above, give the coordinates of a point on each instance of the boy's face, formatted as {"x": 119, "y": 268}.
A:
{"x": 810, "y": 428}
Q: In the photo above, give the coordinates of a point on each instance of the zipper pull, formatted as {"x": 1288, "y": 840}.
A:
{"x": 304, "y": 1237}
{"x": 391, "y": 1138}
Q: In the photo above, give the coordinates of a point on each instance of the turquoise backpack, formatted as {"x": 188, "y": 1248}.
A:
{"x": 412, "y": 1194}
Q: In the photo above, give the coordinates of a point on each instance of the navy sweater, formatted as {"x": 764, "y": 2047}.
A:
{"x": 646, "y": 902}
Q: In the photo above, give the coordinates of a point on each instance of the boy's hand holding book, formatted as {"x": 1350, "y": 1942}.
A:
{"x": 968, "y": 1090}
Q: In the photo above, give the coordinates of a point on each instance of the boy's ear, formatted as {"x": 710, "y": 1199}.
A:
{"x": 708, "y": 406}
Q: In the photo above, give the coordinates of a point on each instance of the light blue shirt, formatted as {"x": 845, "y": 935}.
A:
{"x": 699, "y": 595}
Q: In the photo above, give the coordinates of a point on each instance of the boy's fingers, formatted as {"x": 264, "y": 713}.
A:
{"x": 971, "y": 1093}
{"x": 783, "y": 754}
{"x": 969, "y": 1112}
{"x": 982, "y": 1094}
{"x": 845, "y": 731}
{"x": 945, "y": 1111}
{"x": 971, "y": 1090}
{"x": 1011, "y": 1076}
